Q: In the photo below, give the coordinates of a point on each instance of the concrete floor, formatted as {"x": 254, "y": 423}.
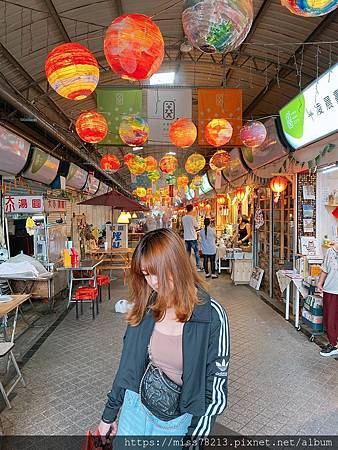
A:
{"x": 278, "y": 383}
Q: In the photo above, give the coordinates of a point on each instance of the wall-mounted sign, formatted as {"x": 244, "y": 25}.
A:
{"x": 120, "y": 235}
{"x": 23, "y": 204}
{"x": 54, "y": 204}
{"x": 13, "y": 152}
{"x": 43, "y": 167}
{"x": 313, "y": 114}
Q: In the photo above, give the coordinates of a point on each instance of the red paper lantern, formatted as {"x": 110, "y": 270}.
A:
{"x": 134, "y": 47}
{"x": 218, "y": 132}
{"x": 127, "y": 158}
{"x": 219, "y": 160}
{"x": 151, "y": 163}
{"x": 278, "y": 184}
{"x": 182, "y": 133}
{"x": 168, "y": 164}
{"x": 253, "y": 134}
{"x": 110, "y": 163}
{"x": 72, "y": 71}
{"x": 240, "y": 194}
{"x": 91, "y": 127}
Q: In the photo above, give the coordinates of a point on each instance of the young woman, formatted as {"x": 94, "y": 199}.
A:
{"x": 243, "y": 234}
{"x": 208, "y": 243}
{"x": 172, "y": 377}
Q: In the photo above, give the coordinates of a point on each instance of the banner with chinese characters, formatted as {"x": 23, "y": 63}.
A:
{"x": 120, "y": 235}
{"x": 164, "y": 106}
{"x": 23, "y": 204}
{"x": 312, "y": 115}
{"x": 54, "y": 205}
{"x": 220, "y": 103}
{"x": 114, "y": 104}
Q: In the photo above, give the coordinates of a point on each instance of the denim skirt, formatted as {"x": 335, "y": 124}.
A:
{"x": 136, "y": 420}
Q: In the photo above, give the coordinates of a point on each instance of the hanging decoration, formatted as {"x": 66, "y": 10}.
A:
{"x": 72, "y": 71}
{"x": 170, "y": 179}
{"x": 219, "y": 160}
{"x": 151, "y": 163}
{"x": 134, "y": 130}
{"x": 127, "y": 158}
{"x": 259, "y": 219}
{"x": 196, "y": 182}
{"x": 141, "y": 191}
{"x": 134, "y": 47}
{"x": 110, "y": 163}
{"x": 310, "y": 8}
{"x": 168, "y": 164}
{"x": 278, "y": 185}
{"x": 240, "y": 194}
{"x": 182, "y": 181}
{"x": 253, "y": 134}
{"x": 217, "y": 25}
{"x": 218, "y": 132}
{"x": 137, "y": 165}
{"x": 154, "y": 176}
{"x": 221, "y": 200}
{"x": 91, "y": 127}
{"x": 195, "y": 163}
{"x": 182, "y": 133}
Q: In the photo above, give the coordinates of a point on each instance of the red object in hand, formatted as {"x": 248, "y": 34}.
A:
{"x": 335, "y": 212}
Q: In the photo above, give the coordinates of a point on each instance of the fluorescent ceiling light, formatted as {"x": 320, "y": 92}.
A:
{"x": 330, "y": 169}
{"x": 135, "y": 149}
{"x": 171, "y": 153}
{"x": 162, "y": 78}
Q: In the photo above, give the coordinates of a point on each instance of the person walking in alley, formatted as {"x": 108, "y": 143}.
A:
{"x": 328, "y": 284}
{"x": 190, "y": 227}
{"x": 173, "y": 372}
{"x": 208, "y": 243}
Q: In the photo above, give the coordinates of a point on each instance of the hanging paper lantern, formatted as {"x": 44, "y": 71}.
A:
{"x": 278, "y": 185}
{"x": 219, "y": 160}
{"x": 137, "y": 165}
{"x": 134, "y": 130}
{"x": 240, "y": 194}
{"x": 218, "y": 132}
{"x": 127, "y": 158}
{"x": 310, "y": 8}
{"x": 221, "y": 200}
{"x": 182, "y": 133}
{"x": 195, "y": 163}
{"x": 151, "y": 163}
{"x": 168, "y": 164}
{"x": 72, "y": 71}
{"x": 253, "y": 134}
{"x": 164, "y": 191}
{"x": 91, "y": 127}
{"x": 141, "y": 191}
{"x": 154, "y": 176}
{"x": 182, "y": 181}
{"x": 110, "y": 163}
{"x": 134, "y": 47}
{"x": 196, "y": 182}
{"x": 217, "y": 25}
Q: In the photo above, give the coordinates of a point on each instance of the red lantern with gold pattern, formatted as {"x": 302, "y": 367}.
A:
{"x": 110, "y": 163}
{"x": 91, "y": 127}
{"x": 134, "y": 47}
{"x": 182, "y": 133}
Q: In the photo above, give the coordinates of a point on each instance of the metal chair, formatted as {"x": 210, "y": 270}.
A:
{"x": 6, "y": 348}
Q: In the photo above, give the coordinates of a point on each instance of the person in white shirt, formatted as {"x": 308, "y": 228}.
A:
{"x": 208, "y": 243}
{"x": 190, "y": 228}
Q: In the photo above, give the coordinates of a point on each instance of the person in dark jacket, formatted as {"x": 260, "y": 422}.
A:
{"x": 173, "y": 372}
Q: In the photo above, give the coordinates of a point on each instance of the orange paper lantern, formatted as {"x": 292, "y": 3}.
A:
{"x": 218, "y": 132}
{"x": 278, "y": 184}
{"x": 219, "y": 160}
{"x": 72, "y": 71}
{"x": 134, "y": 47}
{"x": 91, "y": 127}
{"x": 168, "y": 164}
{"x": 195, "y": 163}
{"x": 110, "y": 163}
{"x": 240, "y": 194}
{"x": 151, "y": 163}
{"x": 127, "y": 158}
{"x": 182, "y": 133}
{"x": 141, "y": 192}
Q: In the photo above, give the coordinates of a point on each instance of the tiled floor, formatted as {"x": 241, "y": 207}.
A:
{"x": 278, "y": 382}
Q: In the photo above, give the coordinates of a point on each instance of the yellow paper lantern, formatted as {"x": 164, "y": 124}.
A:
{"x": 218, "y": 132}
{"x": 151, "y": 163}
{"x": 137, "y": 165}
{"x": 195, "y": 163}
{"x": 141, "y": 192}
{"x": 182, "y": 181}
{"x": 168, "y": 164}
{"x": 154, "y": 176}
{"x": 196, "y": 182}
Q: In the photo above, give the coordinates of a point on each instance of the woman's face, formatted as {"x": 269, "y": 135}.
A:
{"x": 152, "y": 280}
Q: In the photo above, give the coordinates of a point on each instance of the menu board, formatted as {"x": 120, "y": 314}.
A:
{"x": 312, "y": 115}
{"x": 76, "y": 178}
{"x": 13, "y": 152}
{"x": 235, "y": 168}
{"x": 269, "y": 151}
{"x": 42, "y": 168}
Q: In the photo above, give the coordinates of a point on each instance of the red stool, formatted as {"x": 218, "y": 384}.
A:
{"x": 102, "y": 280}
{"x": 86, "y": 294}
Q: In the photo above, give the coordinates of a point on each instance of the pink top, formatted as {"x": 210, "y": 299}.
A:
{"x": 166, "y": 353}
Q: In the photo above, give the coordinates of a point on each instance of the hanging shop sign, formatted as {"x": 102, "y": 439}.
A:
{"x": 54, "y": 205}
{"x": 13, "y": 152}
{"x": 312, "y": 115}
{"x": 220, "y": 103}
{"x": 164, "y": 106}
{"x": 43, "y": 167}
{"x": 76, "y": 178}
{"x": 23, "y": 204}
{"x": 120, "y": 235}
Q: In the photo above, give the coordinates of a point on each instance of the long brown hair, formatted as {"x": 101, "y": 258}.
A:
{"x": 162, "y": 253}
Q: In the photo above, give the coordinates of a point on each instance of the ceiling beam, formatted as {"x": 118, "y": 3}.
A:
{"x": 259, "y": 16}
{"x": 119, "y": 7}
{"x": 284, "y": 72}
{"x": 52, "y": 11}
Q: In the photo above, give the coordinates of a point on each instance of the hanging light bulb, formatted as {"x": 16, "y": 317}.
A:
{"x": 123, "y": 218}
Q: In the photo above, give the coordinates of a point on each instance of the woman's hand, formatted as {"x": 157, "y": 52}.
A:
{"x": 104, "y": 428}
{"x": 320, "y": 288}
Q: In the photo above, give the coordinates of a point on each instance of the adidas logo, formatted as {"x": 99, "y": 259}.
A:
{"x": 222, "y": 366}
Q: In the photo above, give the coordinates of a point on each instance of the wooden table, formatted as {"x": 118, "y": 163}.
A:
{"x": 114, "y": 259}
{"x": 6, "y": 308}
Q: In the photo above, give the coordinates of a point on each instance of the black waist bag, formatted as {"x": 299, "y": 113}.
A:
{"x": 159, "y": 394}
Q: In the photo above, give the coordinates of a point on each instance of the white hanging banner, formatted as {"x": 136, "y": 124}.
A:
{"x": 164, "y": 106}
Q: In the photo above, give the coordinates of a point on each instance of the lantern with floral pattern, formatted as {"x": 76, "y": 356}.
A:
{"x": 195, "y": 163}
{"x": 151, "y": 163}
{"x": 134, "y": 130}
{"x": 91, "y": 127}
{"x": 253, "y": 134}
{"x": 137, "y": 165}
{"x": 182, "y": 181}
{"x": 154, "y": 176}
{"x": 218, "y": 132}
{"x": 219, "y": 160}
{"x": 182, "y": 133}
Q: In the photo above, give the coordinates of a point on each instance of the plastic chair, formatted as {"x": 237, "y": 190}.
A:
{"x": 103, "y": 280}
{"x": 86, "y": 294}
